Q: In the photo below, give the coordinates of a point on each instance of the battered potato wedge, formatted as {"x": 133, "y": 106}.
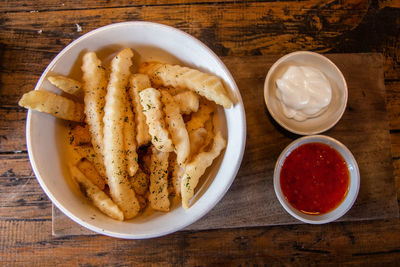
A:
{"x": 176, "y": 127}
{"x": 94, "y": 87}
{"x": 159, "y": 181}
{"x": 66, "y": 84}
{"x": 188, "y": 102}
{"x": 137, "y": 83}
{"x": 98, "y": 197}
{"x": 207, "y": 85}
{"x": 87, "y": 168}
{"x": 195, "y": 169}
{"x": 152, "y": 108}
{"x": 114, "y": 156}
{"x": 130, "y": 139}
{"x": 56, "y": 105}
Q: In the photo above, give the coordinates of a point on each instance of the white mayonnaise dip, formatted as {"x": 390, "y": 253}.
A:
{"x": 304, "y": 92}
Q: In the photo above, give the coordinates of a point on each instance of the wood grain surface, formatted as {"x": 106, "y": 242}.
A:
{"x": 33, "y": 32}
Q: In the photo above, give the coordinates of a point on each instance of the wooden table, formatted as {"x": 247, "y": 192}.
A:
{"x": 33, "y": 32}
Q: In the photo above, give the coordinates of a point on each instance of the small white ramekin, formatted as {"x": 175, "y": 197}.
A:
{"x": 353, "y": 187}
{"x": 335, "y": 109}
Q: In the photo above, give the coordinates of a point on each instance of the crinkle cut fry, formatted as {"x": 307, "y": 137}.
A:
{"x": 88, "y": 152}
{"x": 88, "y": 169}
{"x": 98, "y": 197}
{"x": 198, "y": 140}
{"x": 94, "y": 88}
{"x": 199, "y": 118}
{"x": 140, "y": 182}
{"x": 159, "y": 181}
{"x": 80, "y": 135}
{"x": 66, "y": 84}
{"x": 56, "y": 105}
{"x": 196, "y": 168}
{"x": 187, "y": 101}
{"x": 137, "y": 83}
{"x": 207, "y": 85}
{"x": 176, "y": 173}
{"x": 120, "y": 188}
{"x": 176, "y": 127}
{"x": 130, "y": 145}
{"x": 150, "y": 100}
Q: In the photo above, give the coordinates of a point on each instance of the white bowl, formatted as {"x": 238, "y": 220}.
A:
{"x": 353, "y": 187}
{"x": 47, "y": 136}
{"x": 336, "y": 108}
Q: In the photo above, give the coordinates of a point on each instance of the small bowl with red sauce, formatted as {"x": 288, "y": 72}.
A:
{"x": 316, "y": 179}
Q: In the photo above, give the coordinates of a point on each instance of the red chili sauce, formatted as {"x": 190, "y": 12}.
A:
{"x": 314, "y": 178}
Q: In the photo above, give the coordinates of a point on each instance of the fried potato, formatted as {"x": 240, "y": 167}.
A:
{"x": 142, "y": 201}
{"x": 172, "y": 90}
{"x": 80, "y": 135}
{"x": 209, "y": 126}
{"x": 200, "y": 117}
{"x": 56, "y": 105}
{"x": 159, "y": 181}
{"x": 98, "y": 197}
{"x": 200, "y": 139}
{"x": 207, "y": 85}
{"x": 140, "y": 182}
{"x": 176, "y": 172}
{"x": 88, "y": 169}
{"x": 130, "y": 139}
{"x": 195, "y": 169}
{"x": 177, "y": 179}
{"x": 94, "y": 87}
{"x": 120, "y": 189}
{"x": 66, "y": 84}
{"x": 76, "y": 156}
{"x": 176, "y": 127}
{"x": 172, "y": 164}
{"x": 152, "y": 108}
{"x": 197, "y": 140}
{"x": 187, "y": 101}
{"x": 137, "y": 83}
{"x": 88, "y": 153}
{"x": 145, "y": 160}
